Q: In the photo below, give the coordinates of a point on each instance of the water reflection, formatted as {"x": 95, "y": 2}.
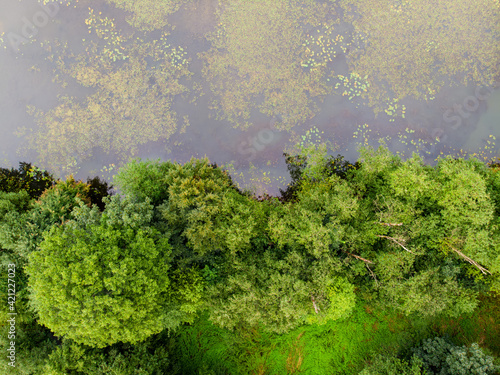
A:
{"x": 241, "y": 82}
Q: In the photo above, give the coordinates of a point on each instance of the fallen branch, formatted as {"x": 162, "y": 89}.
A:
{"x": 391, "y": 224}
{"x": 474, "y": 263}
{"x": 358, "y": 257}
{"x": 316, "y": 308}
{"x": 396, "y": 241}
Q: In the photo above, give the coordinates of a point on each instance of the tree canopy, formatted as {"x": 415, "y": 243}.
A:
{"x": 105, "y": 282}
{"x": 182, "y": 241}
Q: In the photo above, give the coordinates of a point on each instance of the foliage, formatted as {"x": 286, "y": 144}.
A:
{"x": 393, "y": 366}
{"x": 428, "y": 293}
{"x": 442, "y": 357}
{"x": 144, "y": 358}
{"x": 341, "y": 297}
{"x": 430, "y": 30}
{"x": 296, "y": 164}
{"x": 318, "y": 220}
{"x": 22, "y": 232}
{"x": 422, "y": 220}
{"x": 33, "y": 345}
{"x": 277, "y": 290}
{"x": 206, "y": 209}
{"x": 104, "y": 283}
{"x": 144, "y": 179}
{"x": 14, "y": 202}
{"x": 187, "y": 292}
{"x": 366, "y": 260}
{"x": 98, "y": 189}
{"x": 27, "y": 177}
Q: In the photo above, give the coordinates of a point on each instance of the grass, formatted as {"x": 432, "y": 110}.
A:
{"x": 340, "y": 347}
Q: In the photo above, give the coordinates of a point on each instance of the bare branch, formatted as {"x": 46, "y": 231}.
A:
{"x": 316, "y": 308}
{"x": 371, "y": 272}
{"x": 391, "y": 224}
{"x": 358, "y": 257}
{"x": 396, "y": 241}
{"x": 482, "y": 269}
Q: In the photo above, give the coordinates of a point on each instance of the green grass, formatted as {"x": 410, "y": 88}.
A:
{"x": 483, "y": 326}
{"x": 340, "y": 347}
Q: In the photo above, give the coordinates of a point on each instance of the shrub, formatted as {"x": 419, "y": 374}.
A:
{"x": 442, "y": 357}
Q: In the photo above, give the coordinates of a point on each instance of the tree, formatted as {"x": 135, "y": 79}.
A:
{"x": 280, "y": 290}
{"x": 27, "y": 177}
{"x": 426, "y": 231}
{"x": 144, "y": 358}
{"x": 144, "y": 179}
{"x": 98, "y": 189}
{"x": 104, "y": 283}
{"x": 24, "y": 230}
{"x": 34, "y": 344}
{"x": 205, "y": 208}
{"x": 318, "y": 220}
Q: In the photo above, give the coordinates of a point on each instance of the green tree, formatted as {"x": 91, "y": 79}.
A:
{"x": 24, "y": 230}
{"x": 144, "y": 358}
{"x": 34, "y": 343}
{"x": 426, "y": 230}
{"x": 205, "y": 208}
{"x": 103, "y": 283}
{"x": 144, "y": 179}
{"x": 280, "y": 290}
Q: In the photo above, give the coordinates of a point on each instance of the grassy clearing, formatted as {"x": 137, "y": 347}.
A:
{"x": 340, "y": 347}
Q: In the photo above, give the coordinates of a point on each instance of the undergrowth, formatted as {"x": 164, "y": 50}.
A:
{"x": 339, "y": 347}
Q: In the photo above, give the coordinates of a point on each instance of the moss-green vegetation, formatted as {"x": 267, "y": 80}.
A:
{"x": 415, "y": 48}
{"x": 258, "y": 56}
{"x": 149, "y": 15}
{"x": 133, "y": 82}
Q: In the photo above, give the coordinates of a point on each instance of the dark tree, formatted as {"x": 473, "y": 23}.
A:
{"x": 98, "y": 189}
{"x": 27, "y": 177}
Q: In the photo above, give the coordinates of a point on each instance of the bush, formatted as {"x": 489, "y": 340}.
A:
{"x": 393, "y": 366}
{"x": 442, "y": 357}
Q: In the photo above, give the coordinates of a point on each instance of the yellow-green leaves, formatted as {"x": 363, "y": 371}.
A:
{"x": 339, "y": 302}
{"x": 100, "y": 284}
